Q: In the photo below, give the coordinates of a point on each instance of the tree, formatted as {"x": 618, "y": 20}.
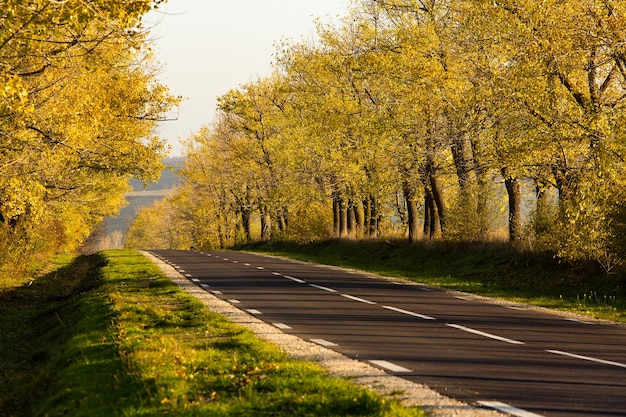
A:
{"x": 77, "y": 118}
{"x": 458, "y": 112}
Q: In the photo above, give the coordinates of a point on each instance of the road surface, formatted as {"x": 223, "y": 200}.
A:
{"x": 514, "y": 359}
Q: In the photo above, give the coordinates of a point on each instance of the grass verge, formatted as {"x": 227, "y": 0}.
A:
{"x": 493, "y": 270}
{"x": 108, "y": 335}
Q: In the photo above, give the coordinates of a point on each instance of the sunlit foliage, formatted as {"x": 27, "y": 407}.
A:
{"x": 79, "y": 103}
{"x": 433, "y": 119}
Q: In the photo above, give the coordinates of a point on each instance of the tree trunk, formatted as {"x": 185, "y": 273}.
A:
{"x": 513, "y": 190}
{"x": 429, "y": 177}
{"x": 358, "y": 220}
{"x": 343, "y": 219}
{"x": 373, "y": 225}
{"x": 282, "y": 220}
{"x": 367, "y": 215}
{"x": 220, "y": 235}
{"x": 432, "y": 225}
{"x": 427, "y": 211}
{"x": 566, "y": 184}
{"x": 245, "y": 224}
{"x": 266, "y": 225}
{"x": 437, "y": 195}
{"x": 411, "y": 209}
{"x": 336, "y": 214}
{"x": 461, "y": 160}
{"x": 351, "y": 220}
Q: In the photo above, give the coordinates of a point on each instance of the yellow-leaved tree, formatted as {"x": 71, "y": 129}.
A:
{"x": 78, "y": 113}
{"x": 451, "y": 118}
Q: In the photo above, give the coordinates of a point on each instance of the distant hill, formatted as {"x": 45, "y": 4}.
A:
{"x": 144, "y": 196}
{"x": 168, "y": 178}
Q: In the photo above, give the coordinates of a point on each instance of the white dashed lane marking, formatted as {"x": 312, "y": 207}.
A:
{"x": 319, "y": 287}
{"x": 298, "y": 280}
{"x": 505, "y": 408}
{"x": 390, "y": 366}
{"x": 587, "y": 358}
{"x": 489, "y": 335}
{"x": 282, "y": 326}
{"x": 323, "y": 342}
{"x": 360, "y": 300}
{"x": 410, "y": 313}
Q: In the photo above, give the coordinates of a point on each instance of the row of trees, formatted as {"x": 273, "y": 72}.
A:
{"x": 434, "y": 118}
{"x": 79, "y": 102}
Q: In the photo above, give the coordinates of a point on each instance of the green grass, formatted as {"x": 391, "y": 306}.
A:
{"x": 489, "y": 269}
{"x": 108, "y": 335}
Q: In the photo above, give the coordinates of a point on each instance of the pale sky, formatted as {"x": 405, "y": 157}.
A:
{"x": 208, "y": 47}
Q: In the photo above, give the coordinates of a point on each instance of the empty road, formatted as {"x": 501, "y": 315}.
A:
{"x": 517, "y": 360}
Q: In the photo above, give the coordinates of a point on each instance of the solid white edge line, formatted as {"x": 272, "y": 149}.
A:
{"x": 509, "y": 409}
{"x": 410, "y": 313}
{"x": 294, "y": 279}
{"x": 489, "y": 335}
{"x": 360, "y": 300}
{"x": 323, "y": 342}
{"x": 390, "y": 366}
{"x": 586, "y": 358}
{"x": 579, "y": 321}
{"x": 319, "y": 287}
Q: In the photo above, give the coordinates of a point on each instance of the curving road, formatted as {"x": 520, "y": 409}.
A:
{"x": 519, "y": 361}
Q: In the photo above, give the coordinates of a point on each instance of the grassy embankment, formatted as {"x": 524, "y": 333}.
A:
{"x": 108, "y": 335}
{"x": 493, "y": 270}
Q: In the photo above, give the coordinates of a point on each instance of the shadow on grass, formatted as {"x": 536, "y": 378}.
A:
{"x": 57, "y": 352}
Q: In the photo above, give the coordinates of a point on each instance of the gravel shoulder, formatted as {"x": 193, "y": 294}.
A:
{"x": 336, "y": 364}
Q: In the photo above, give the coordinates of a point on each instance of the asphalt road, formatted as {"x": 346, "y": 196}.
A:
{"x": 520, "y": 361}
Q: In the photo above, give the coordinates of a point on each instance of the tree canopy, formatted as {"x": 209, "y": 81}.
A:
{"x": 462, "y": 120}
{"x": 79, "y": 105}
